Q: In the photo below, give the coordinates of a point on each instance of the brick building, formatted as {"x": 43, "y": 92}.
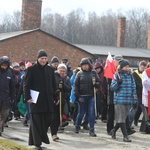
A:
{"x": 24, "y": 44}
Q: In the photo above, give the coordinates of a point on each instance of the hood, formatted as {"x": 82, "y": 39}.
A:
{"x": 5, "y": 59}
{"x": 98, "y": 65}
{"x": 85, "y": 61}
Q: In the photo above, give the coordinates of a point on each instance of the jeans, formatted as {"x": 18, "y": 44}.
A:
{"x": 131, "y": 115}
{"x": 86, "y": 107}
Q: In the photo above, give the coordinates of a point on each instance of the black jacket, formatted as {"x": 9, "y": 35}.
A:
{"x": 7, "y": 85}
{"x": 83, "y": 83}
{"x": 109, "y": 92}
{"x": 66, "y": 87}
{"x": 138, "y": 82}
{"x": 40, "y": 79}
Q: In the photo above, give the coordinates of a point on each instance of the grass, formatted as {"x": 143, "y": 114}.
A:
{"x": 9, "y": 145}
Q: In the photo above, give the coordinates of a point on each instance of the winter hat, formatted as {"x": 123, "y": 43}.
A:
{"x": 97, "y": 65}
{"x": 28, "y": 64}
{"x": 64, "y": 60}
{"x": 123, "y": 63}
{"x": 5, "y": 60}
{"x": 15, "y": 65}
{"x": 21, "y": 63}
{"x": 85, "y": 61}
{"x": 118, "y": 57}
{"x": 41, "y": 53}
{"x": 54, "y": 60}
{"x": 61, "y": 65}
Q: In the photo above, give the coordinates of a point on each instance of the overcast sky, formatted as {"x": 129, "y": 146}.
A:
{"x": 65, "y": 6}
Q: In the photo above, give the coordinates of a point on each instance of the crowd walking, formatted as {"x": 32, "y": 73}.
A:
{"x": 48, "y": 95}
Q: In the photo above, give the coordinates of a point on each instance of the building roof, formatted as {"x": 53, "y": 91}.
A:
{"x": 91, "y": 49}
{"x": 4, "y": 36}
{"x": 103, "y": 50}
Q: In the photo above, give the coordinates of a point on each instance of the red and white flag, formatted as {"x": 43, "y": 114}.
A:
{"x": 110, "y": 67}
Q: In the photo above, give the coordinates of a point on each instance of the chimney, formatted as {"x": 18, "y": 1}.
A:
{"x": 31, "y": 14}
{"x": 121, "y": 32}
{"x": 148, "y": 38}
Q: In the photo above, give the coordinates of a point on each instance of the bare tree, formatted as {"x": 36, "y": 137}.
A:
{"x": 74, "y": 26}
{"x": 11, "y": 23}
{"x": 136, "y": 35}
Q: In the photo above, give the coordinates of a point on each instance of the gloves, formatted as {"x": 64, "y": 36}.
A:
{"x": 134, "y": 105}
{"x": 120, "y": 81}
{"x": 95, "y": 85}
{"x": 57, "y": 92}
{"x": 81, "y": 101}
{"x": 61, "y": 83}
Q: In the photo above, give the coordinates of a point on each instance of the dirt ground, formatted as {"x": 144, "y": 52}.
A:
{"x": 69, "y": 140}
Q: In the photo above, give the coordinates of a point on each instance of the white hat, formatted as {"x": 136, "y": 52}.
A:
{"x": 15, "y": 65}
{"x": 61, "y": 65}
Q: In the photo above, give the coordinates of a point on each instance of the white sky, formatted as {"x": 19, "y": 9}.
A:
{"x": 65, "y": 6}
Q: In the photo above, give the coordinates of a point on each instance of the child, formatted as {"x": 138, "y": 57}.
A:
{"x": 124, "y": 89}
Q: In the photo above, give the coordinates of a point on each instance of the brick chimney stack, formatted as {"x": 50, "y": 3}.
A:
{"x": 148, "y": 36}
{"x": 31, "y": 14}
{"x": 121, "y": 32}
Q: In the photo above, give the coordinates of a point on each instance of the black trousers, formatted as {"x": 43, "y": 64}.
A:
{"x": 138, "y": 113}
{"x": 56, "y": 121}
{"x": 110, "y": 117}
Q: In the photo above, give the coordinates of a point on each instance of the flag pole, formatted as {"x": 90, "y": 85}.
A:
{"x": 60, "y": 104}
{"x": 94, "y": 81}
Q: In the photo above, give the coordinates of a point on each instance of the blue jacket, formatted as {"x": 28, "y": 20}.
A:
{"x": 123, "y": 94}
{"x": 72, "y": 96}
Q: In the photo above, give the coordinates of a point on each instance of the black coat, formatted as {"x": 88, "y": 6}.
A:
{"x": 109, "y": 92}
{"x": 83, "y": 83}
{"x": 40, "y": 79}
{"x": 7, "y": 86}
{"x": 66, "y": 88}
{"x": 138, "y": 82}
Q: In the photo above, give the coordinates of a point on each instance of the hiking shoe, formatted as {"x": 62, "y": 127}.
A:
{"x": 77, "y": 129}
{"x": 129, "y": 132}
{"x": 25, "y": 123}
{"x": 86, "y": 127}
{"x": 55, "y": 137}
{"x": 38, "y": 147}
{"x": 6, "y": 125}
{"x": 92, "y": 133}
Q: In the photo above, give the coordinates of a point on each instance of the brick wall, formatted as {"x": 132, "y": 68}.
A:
{"x": 31, "y": 14}
{"x": 121, "y": 32}
{"x": 26, "y": 46}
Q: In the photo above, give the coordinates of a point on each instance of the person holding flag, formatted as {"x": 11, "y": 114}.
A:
{"x": 124, "y": 88}
{"x": 109, "y": 70}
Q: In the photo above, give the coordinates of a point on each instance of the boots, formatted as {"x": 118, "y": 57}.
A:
{"x": 86, "y": 127}
{"x": 124, "y": 131}
{"x": 77, "y": 128}
{"x": 113, "y": 131}
{"x": 92, "y": 133}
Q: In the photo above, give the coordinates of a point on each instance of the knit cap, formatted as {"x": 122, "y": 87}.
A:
{"x": 41, "y": 53}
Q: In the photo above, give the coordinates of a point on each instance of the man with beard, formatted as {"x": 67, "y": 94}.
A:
{"x": 40, "y": 77}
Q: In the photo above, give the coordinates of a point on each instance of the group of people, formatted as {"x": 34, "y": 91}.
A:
{"x": 83, "y": 95}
